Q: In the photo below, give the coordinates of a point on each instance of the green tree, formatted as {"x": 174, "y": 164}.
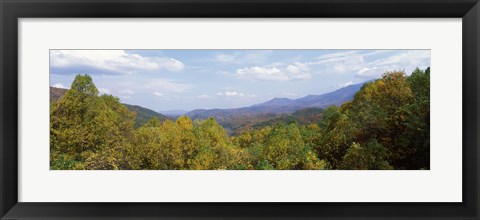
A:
{"x": 417, "y": 133}
{"x": 113, "y": 126}
{"x": 380, "y": 110}
{"x": 372, "y": 156}
{"x": 145, "y": 150}
{"x": 153, "y": 122}
{"x": 284, "y": 149}
{"x": 337, "y": 137}
{"x": 85, "y": 127}
{"x": 216, "y": 151}
{"x": 330, "y": 116}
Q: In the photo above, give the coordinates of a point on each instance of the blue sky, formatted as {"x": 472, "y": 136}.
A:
{"x": 191, "y": 79}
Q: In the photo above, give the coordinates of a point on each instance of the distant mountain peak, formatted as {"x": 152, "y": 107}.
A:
{"x": 283, "y": 105}
{"x": 336, "y": 97}
{"x": 276, "y": 102}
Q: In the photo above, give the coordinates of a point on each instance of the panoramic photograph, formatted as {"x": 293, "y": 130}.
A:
{"x": 240, "y": 109}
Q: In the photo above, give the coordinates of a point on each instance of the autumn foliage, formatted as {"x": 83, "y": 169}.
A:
{"x": 385, "y": 126}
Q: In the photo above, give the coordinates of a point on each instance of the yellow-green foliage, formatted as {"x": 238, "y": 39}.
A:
{"x": 88, "y": 131}
{"x": 385, "y": 126}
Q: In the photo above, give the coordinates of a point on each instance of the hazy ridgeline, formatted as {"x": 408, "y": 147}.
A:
{"x": 385, "y": 126}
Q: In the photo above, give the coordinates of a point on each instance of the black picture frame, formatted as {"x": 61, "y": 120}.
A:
{"x": 11, "y": 10}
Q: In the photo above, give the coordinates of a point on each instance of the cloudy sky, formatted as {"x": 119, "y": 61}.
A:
{"x": 190, "y": 79}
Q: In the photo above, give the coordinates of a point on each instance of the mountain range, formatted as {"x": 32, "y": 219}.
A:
{"x": 276, "y": 110}
{"x": 283, "y": 105}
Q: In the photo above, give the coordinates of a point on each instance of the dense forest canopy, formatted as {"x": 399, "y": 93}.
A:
{"x": 385, "y": 126}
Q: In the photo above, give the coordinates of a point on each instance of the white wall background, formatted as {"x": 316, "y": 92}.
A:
{"x": 440, "y": 184}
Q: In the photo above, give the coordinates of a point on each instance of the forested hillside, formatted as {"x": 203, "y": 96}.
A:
{"x": 56, "y": 93}
{"x": 142, "y": 114}
{"x": 385, "y": 126}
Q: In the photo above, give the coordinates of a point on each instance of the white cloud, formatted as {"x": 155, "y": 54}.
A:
{"x": 59, "y": 85}
{"x": 355, "y": 62}
{"x": 337, "y": 54}
{"x": 375, "y": 71}
{"x": 375, "y": 52}
{"x": 246, "y": 57}
{"x": 261, "y": 73}
{"x": 110, "y": 61}
{"x": 370, "y": 71}
{"x": 298, "y": 67}
{"x": 235, "y": 94}
{"x": 158, "y": 94}
{"x": 299, "y": 71}
{"x": 231, "y": 94}
{"x": 342, "y": 62}
{"x": 345, "y": 54}
{"x": 293, "y": 69}
{"x": 277, "y": 72}
{"x": 364, "y": 70}
{"x": 412, "y": 57}
{"x": 406, "y": 61}
{"x": 340, "y": 65}
{"x": 104, "y": 91}
{"x": 341, "y": 85}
